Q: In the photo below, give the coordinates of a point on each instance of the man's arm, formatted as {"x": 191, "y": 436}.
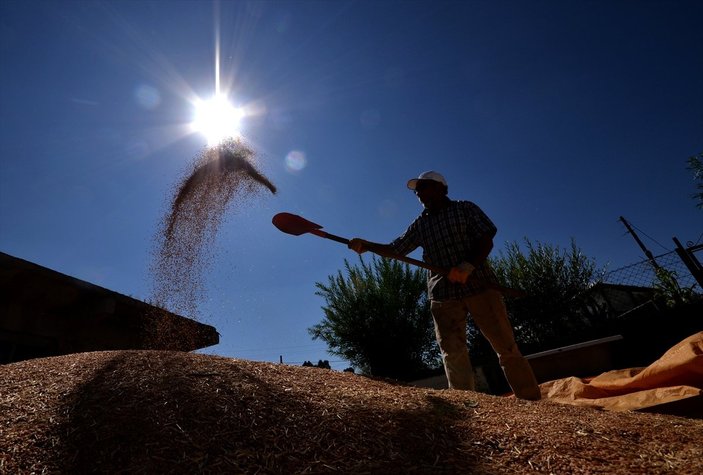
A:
{"x": 362, "y": 245}
{"x": 482, "y": 248}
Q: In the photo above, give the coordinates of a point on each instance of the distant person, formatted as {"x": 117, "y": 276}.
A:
{"x": 457, "y": 235}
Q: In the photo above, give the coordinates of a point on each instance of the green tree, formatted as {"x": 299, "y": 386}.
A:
{"x": 695, "y": 164}
{"x": 377, "y": 317}
{"x": 553, "y": 279}
{"x": 668, "y": 290}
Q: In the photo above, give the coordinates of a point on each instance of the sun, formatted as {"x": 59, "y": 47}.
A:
{"x": 217, "y": 119}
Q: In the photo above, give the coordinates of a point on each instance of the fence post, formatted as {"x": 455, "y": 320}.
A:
{"x": 691, "y": 262}
{"x": 646, "y": 251}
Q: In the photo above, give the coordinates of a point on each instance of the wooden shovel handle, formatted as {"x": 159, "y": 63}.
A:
{"x": 296, "y": 225}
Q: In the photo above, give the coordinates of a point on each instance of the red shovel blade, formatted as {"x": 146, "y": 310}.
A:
{"x": 293, "y": 224}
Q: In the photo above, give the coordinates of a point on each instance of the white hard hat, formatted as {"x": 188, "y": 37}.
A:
{"x": 431, "y": 176}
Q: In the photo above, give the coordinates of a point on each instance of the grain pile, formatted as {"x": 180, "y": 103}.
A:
{"x": 220, "y": 178}
{"x": 156, "y": 412}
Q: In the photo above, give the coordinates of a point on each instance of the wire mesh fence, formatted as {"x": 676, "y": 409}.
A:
{"x": 643, "y": 274}
{"x": 645, "y": 287}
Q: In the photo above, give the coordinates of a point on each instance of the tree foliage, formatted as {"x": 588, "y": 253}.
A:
{"x": 553, "y": 279}
{"x": 668, "y": 290}
{"x": 377, "y": 317}
{"x": 325, "y": 364}
{"x": 695, "y": 164}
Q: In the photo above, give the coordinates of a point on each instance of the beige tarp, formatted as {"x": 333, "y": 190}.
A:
{"x": 675, "y": 376}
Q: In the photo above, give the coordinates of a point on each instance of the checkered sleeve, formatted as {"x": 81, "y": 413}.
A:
{"x": 408, "y": 241}
{"x": 481, "y": 224}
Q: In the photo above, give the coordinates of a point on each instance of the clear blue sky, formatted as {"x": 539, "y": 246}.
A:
{"x": 555, "y": 117}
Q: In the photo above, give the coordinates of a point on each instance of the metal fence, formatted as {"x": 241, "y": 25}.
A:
{"x": 642, "y": 287}
{"x": 643, "y": 274}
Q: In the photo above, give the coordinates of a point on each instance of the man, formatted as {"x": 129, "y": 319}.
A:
{"x": 457, "y": 235}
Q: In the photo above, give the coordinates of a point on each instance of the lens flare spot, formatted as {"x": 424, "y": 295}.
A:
{"x": 295, "y": 161}
{"x": 388, "y": 208}
{"x": 147, "y": 97}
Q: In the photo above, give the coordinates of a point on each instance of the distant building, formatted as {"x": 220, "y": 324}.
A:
{"x": 614, "y": 300}
{"x": 46, "y": 313}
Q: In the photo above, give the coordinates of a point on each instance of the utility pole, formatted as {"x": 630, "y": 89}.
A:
{"x": 646, "y": 251}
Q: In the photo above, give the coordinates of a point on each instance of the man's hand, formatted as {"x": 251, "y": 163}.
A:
{"x": 460, "y": 274}
{"x": 359, "y": 245}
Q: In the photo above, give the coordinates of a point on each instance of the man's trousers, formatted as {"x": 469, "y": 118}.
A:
{"x": 489, "y": 313}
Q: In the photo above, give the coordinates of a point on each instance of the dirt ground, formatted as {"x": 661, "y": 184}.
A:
{"x": 159, "y": 411}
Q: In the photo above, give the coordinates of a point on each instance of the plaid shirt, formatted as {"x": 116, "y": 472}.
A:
{"x": 446, "y": 237}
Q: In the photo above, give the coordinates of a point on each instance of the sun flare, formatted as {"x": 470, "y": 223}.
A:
{"x": 217, "y": 119}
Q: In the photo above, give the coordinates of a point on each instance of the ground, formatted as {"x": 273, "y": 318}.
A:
{"x": 159, "y": 411}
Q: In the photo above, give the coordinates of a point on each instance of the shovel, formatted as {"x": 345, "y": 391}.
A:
{"x": 297, "y": 225}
